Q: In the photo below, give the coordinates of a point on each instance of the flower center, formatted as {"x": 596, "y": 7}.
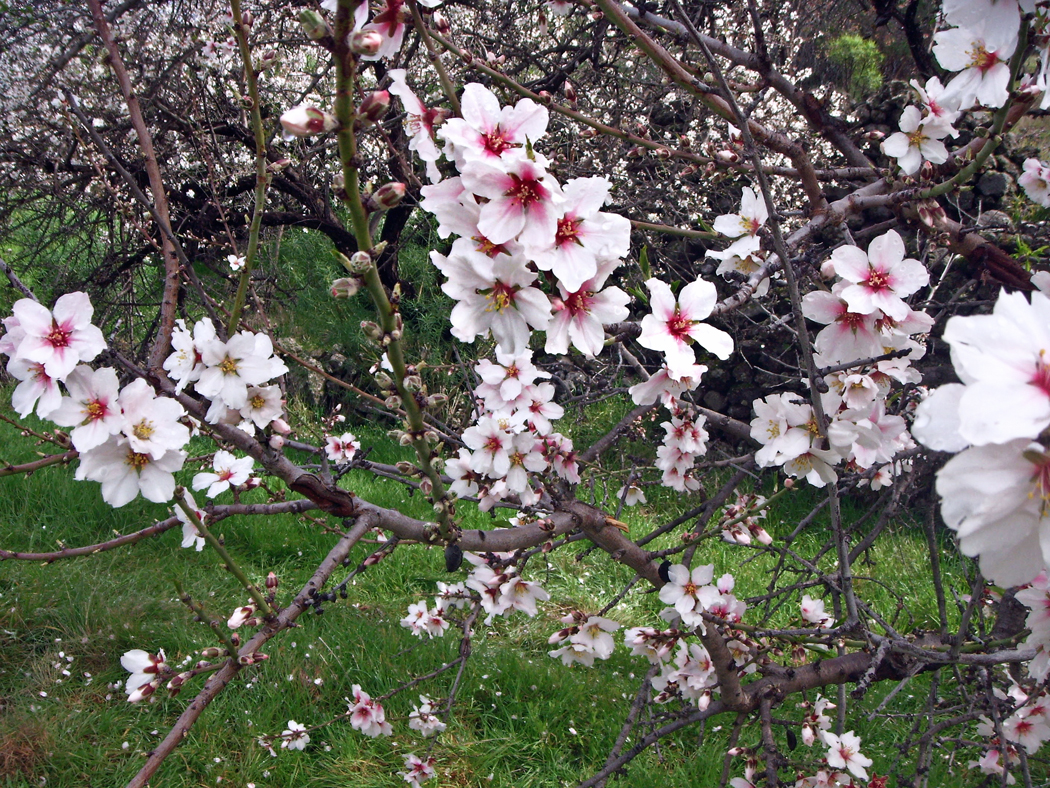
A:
{"x": 678, "y": 326}
{"x": 228, "y": 366}
{"x": 517, "y": 458}
{"x": 579, "y": 303}
{"x": 853, "y": 320}
{"x": 689, "y": 589}
{"x": 495, "y": 142}
{"x": 58, "y": 336}
{"x": 95, "y": 410}
{"x": 568, "y": 232}
{"x": 981, "y": 58}
{"x": 878, "y": 280}
{"x": 257, "y": 401}
{"x": 1041, "y": 378}
{"x": 486, "y": 247}
{"x": 493, "y": 444}
{"x": 137, "y": 460}
{"x": 917, "y": 138}
{"x": 500, "y": 297}
{"x": 143, "y": 430}
{"x": 526, "y": 191}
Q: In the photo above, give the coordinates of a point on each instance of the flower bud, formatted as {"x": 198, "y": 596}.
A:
{"x": 277, "y": 442}
{"x": 144, "y": 691}
{"x": 406, "y": 439}
{"x": 387, "y": 196}
{"x": 176, "y": 683}
{"x": 374, "y": 107}
{"x": 303, "y": 121}
{"x": 281, "y": 426}
{"x": 570, "y": 92}
{"x": 271, "y": 581}
{"x": 269, "y": 58}
{"x": 360, "y": 262}
{"x": 372, "y": 330}
{"x": 441, "y": 23}
{"x": 211, "y": 652}
{"x": 366, "y": 42}
{"x": 313, "y": 25}
{"x": 436, "y": 399}
{"x": 384, "y": 381}
{"x": 247, "y": 19}
{"x": 278, "y": 166}
{"x": 346, "y": 287}
{"x": 426, "y": 486}
{"x": 413, "y": 383}
{"x": 258, "y": 656}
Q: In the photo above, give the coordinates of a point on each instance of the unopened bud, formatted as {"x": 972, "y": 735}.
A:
{"x": 360, "y": 263}
{"x": 874, "y": 135}
{"x": 406, "y": 439}
{"x": 636, "y": 151}
{"x": 570, "y": 92}
{"x": 271, "y": 581}
{"x": 366, "y": 42}
{"x": 441, "y": 23}
{"x": 281, "y": 426}
{"x": 727, "y": 156}
{"x": 387, "y": 196}
{"x": 827, "y": 269}
{"x": 436, "y": 399}
{"x": 144, "y": 691}
{"x": 313, "y": 25}
{"x": 346, "y": 287}
{"x": 303, "y": 121}
{"x": 246, "y": 659}
{"x": 589, "y": 133}
{"x": 247, "y": 19}
{"x": 278, "y": 166}
{"x": 211, "y": 652}
{"x": 406, "y": 468}
{"x": 663, "y": 153}
{"x": 426, "y": 486}
{"x": 372, "y": 330}
{"x": 277, "y": 442}
{"x": 258, "y": 656}
{"x": 413, "y": 383}
{"x": 374, "y": 107}
{"x": 384, "y": 381}
{"x": 688, "y": 170}
{"x": 176, "y": 683}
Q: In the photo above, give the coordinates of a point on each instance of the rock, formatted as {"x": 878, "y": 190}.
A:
{"x": 993, "y": 184}
{"x": 996, "y": 219}
{"x": 714, "y": 401}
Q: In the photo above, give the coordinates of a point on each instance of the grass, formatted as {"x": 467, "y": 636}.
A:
{"x": 522, "y": 719}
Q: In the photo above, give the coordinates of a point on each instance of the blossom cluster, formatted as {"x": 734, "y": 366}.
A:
{"x": 512, "y": 436}
{"x": 864, "y": 317}
{"x": 584, "y": 639}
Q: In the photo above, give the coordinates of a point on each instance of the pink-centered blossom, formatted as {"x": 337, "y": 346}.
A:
{"x": 983, "y": 62}
{"x": 58, "y": 339}
{"x": 420, "y": 122}
{"x": 125, "y": 473}
{"x": 675, "y": 324}
{"x": 91, "y": 408}
{"x": 580, "y": 315}
{"x": 229, "y": 471}
{"x": 880, "y": 278}
{"x": 367, "y": 715}
{"x": 1035, "y": 180}
{"x": 487, "y": 131}
{"x": 844, "y": 753}
{"x": 36, "y": 389}
{"x": 524, "y": 200}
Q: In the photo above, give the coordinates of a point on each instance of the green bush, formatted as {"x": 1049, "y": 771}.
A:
{"x": 857, "y": 64}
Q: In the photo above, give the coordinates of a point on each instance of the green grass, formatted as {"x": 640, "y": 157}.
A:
{"x": 521, "y": 717}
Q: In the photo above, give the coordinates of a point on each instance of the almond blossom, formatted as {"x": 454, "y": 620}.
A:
{"x": 143, "y": 667}
{"x": 36, "y": 389}
{"x": 1035, "y": 180}
{"x": 341, "y": 448}
{"x": 917, "y": 141}
{"x": 686, "y": 589}
{"x": 494, "y": 294}
{"x": 675, "y": 324}
{"x": 419, "y": 122}
{"x": 367, "y": 715}
{"x": 524, "y": 200}
{"x": 91, "y": 407}
{"x": 125, "y": 473}
{"x": 191, "y": 537}
{"x": 579, "y": 316}
{"x": 417, "y": 769}
{"x": 844, "y": 753}
{"x": 231, "y": 367}
{"x": 487, "y": 131}
{"x": 294, "y": 737}
{"x": 880, "y": 278}
{"x": 229, "y": 472}
{"x": 984, "y": 64}
{"x": 423, "y": 719}
{"x": 584, "y": 235}
{"x": 60, "y": 339}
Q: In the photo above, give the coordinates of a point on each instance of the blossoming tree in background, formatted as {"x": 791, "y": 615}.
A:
{"x": 551, "y": 262}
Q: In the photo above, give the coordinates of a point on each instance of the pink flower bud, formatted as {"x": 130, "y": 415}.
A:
{"x": 302, "y": 121}
{"x": 441, "y": 23}
{"x": 281, "y": 426}
{"x": 570, "y": 92}
{"x": 271, "y": 581}
{"x": 277, "y": 442}
{"x": 388, "y": 195}
{"x": 144, "y": 691}
{"x": 366, "y": 42}
{"x": 346, "y": 287}
{"x": 374, "y": 107}
{"x": 727, "y": 156}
